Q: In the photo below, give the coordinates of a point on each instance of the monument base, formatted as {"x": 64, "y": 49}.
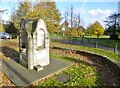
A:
{"x": 22, "y": 76}
{"x": 23, "y": 63}
{"x": 38, "y": 68}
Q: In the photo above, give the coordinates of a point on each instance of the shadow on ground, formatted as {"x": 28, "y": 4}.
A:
{"x": 10, "y": 52}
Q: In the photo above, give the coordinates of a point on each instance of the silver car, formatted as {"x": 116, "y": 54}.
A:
{"x": 5, "y": 35}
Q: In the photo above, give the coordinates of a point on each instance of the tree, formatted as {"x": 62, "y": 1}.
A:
{"x": 49, "y": 12}
{"x": 81, "y": 31}
{"x": 2, "y": 28}
{"x": 10, "y": 28}
{"x": 113, "y": 25}
{"x": 98, "y": 29}
{"x": 73, "y": 32}
{"x": 67, "y": 31}
{"x": 23, "y": 11}
{"x": 45, "y": 10}
{"x": 90, "y": 30}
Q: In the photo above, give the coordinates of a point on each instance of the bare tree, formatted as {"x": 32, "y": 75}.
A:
{"x": 71, "y": 16}
{"x": 66, "y": 18}
{"x": 79, "y": 20}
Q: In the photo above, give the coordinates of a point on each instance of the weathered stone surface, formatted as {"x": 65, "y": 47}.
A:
{"x": 34, "y": 43}
{"x": 63, "y": 78}
{"x": 38, "y": 68}
{"x": 21, "y": 76}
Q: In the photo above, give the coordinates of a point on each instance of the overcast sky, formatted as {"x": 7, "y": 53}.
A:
{"x": 94, "y": 10}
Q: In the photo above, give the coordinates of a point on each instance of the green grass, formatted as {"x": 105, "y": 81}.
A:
{"x": 54, "y": 35}
{"x": 94, "y": 36}
{"x": 110, "y": 54}
{"x": 102, "y": 40}
{"x": 80, "y": 73}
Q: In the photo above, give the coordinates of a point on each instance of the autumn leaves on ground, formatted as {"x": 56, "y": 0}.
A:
{"x": 9, "y": 49}
{"x": 87, "y": 70}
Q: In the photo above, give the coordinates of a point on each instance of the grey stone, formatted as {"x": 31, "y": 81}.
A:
{"x": 22, "y": 76}
{"x": 63, "y": 78}
{"x": 33, "y": 43}
{"x": 38, "y": 68}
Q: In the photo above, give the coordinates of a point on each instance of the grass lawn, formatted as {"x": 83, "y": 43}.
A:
{"x": 54, "y": 35}
{"x": 102, "y": 40}
{"x": 94, "y": 36}
{"x": 110, "y": 54}
{"x": 82, "y": 74}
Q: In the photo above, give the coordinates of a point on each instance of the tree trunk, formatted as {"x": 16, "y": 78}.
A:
{"x": 97, "y": 36}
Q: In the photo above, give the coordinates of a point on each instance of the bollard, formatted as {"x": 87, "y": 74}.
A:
{"x": 115, "y": 48}
{"x": 82, "y": 41}
{"x": 96, "y": 44}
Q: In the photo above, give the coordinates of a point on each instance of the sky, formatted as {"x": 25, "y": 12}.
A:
{"x": 90, "y": 10}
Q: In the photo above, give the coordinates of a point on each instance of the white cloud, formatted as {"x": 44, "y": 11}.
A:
{"x": 100, "y": 12}
{"x": 3, "y": 15}
{"x": 99, "y": 15}
{"x": 81, "y": 11}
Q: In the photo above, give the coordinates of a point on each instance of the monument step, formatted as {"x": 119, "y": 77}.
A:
{"x": 38, "y": 68}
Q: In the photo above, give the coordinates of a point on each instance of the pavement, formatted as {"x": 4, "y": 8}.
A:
{"x": 22, "y": 76}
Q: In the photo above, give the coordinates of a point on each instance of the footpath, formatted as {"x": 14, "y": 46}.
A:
{"x": 84, "y": 43}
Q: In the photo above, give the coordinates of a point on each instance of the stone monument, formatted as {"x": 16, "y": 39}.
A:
{"x": 33, "y": 44}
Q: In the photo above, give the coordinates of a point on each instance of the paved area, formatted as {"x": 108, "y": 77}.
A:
{"x": 21, "y": 76}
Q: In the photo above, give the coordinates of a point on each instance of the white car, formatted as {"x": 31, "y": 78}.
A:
{"x": 4, "y": 35}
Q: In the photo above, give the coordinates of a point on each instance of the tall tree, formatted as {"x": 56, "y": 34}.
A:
{"x": 10, "y": 28}
{"x": 98, "y": 28}
{"x": 45, "y": 10}
{"x": 71, "y": 16}
{"x": 65, "y": 23}
{"x": 23, "y": 11}
{"x": 73, "y": 32}
{"x": 90, "y": 30}
{"x": 113, "y": 25}
{"x": 81, "y": 31}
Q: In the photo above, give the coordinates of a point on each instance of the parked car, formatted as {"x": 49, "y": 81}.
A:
{"x": 5, "y": 35}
